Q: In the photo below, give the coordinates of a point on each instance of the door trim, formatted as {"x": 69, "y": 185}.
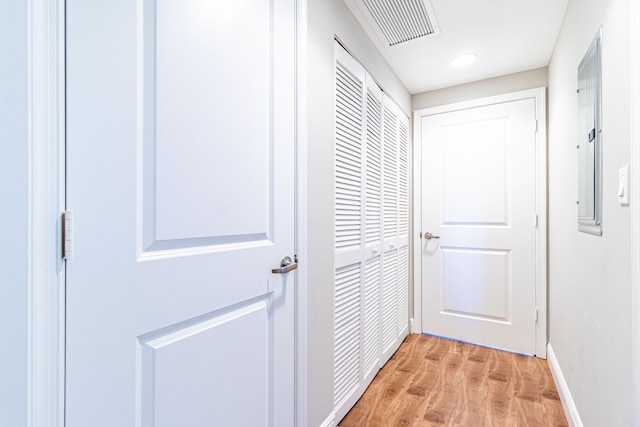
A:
{"x": 635, "y": 204}
{"x": 46, "y": 198}
{"x": 539, "y": 94}
{"x": 301, "y": 215}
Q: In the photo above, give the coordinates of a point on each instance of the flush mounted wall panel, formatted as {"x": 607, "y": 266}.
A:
{"x": 590, "y": 140}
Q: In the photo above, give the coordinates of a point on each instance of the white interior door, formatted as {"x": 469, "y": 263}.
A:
{"x": 479, "y": 200}
{"x": 180, "y": 132}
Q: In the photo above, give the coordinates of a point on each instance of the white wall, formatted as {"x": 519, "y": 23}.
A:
{"x": 481, "y": 89}
{"x": 326, "y": 19}
{"x": 13, "y": 215}
{"x": 589, "y": 276}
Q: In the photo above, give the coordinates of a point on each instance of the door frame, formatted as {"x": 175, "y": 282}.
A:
{"x": 46, "y": 202}
{"x": 539, "y": 94}
{"x": 45, "y": 352}
{"x": 635, "y": 204}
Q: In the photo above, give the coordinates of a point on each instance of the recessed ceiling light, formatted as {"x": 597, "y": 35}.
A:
{"x": 466, "y": 59}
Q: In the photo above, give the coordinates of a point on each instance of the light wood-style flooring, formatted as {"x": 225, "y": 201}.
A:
{"x": 433, "y": 381}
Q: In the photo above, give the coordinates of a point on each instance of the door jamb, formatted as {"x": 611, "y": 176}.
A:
{"x": 46, "y": 201}
{"x": 635, "y": 204}
{"x": 539, "y": 94}
{"x": 301, "y": 217}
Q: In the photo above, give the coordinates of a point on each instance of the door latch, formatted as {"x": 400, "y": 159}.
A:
{"x": 286, "y": 265}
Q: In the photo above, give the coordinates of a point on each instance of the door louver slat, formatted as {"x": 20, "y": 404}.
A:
{"x": 403, "y": 287}
{"x": 347, "y": 327}
{"x": 371, "y": 313}
{"x": 348, "y": 179}
{"x": 373, "y": 179}
{"x": 390, "y": 175}
{"x": 403, "y": 180}
{"x": 389, "y": 298}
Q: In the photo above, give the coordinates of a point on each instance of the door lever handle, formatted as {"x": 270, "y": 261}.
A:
{"x": 430, "y": 236}
{"x": 286, "y": 265}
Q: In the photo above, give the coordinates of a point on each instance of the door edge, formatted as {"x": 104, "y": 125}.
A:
{"x": 634, "y": 206}
{"x": 301, "y": 217}
{"x": 46, "y": 201}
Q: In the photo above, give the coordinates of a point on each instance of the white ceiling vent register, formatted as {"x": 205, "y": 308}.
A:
{"x": 395, "y": 21}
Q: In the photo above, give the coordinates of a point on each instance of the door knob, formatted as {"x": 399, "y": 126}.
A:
{"x": 286, "y": 265}
{"x": 430, "y": 236}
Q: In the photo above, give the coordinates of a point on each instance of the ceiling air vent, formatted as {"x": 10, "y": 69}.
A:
{"x": 401, "y": 20}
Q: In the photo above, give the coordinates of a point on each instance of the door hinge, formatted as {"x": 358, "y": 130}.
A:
{"x": 421, "y": 234}
{"x": 535, "y": 125}
{"x": 535, "y": 220}
{"x": 536, "y": 314}
{"x": 67, "y": 234}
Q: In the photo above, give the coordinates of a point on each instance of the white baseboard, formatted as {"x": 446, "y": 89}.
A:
{"x": 570, "y": 410}
{"x": 330, "y": 421}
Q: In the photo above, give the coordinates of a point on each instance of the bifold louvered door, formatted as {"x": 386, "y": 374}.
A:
{"x": 395, "y": 230}
{"x": 372, "y": 231}
{"x": 349, "y": 225}
{"x": 371, "y": 282}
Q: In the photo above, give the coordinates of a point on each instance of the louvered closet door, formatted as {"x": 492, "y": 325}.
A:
{"x": 373, "y": 232}
{"x": 402, "y": 241}
{"x": 349, "y": 231}
{"x": 371, "y": 227}
{"x": 389, "y": 302}
{"x": 395, "y": 227}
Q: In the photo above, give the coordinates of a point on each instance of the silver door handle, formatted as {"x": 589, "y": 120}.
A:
{"x": 286, "y": 265}
{"x": 430, "y": 236}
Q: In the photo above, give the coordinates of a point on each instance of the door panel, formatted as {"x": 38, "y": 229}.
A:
{"x": 180, "y": 173}
{"x": 487, "y": 267}
{"x": 194, "y": 93}
{"x": 196, "y": 360}
{"x": 474, "y": 172}
{"x": 373, "y": 226}
{"x": 349, "y": 227}
{"x": 479, "y": 277}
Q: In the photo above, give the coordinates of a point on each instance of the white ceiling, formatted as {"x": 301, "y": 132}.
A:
{"x": 507, "y": 35}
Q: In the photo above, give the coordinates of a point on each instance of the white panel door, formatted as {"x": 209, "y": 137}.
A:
{"x": 180, "y": 176}
{"x": 478, "y": 181}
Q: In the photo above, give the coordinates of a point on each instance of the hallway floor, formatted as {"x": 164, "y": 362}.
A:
{"x": 432, "y": 381}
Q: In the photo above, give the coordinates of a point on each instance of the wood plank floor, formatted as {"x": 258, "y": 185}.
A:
{"x": 433, "y": 381}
